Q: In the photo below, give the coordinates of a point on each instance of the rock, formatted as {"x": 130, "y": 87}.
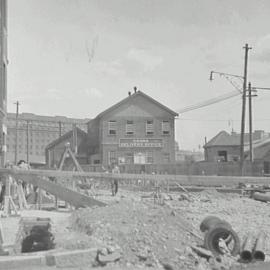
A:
{"x": 103, "y": 251}
{"x": 142, "y": 256}
{"x": 110, "y": 250}
{"x": 113, "y": 257}
{"x": 202, "y": 252}
{"x": 167, "y": 266}
{"x": 184, "y": 197}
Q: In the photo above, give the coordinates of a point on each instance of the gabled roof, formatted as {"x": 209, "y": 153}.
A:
{"x": 66, "y": 136}
{"x": 133, "y": 96}
{"x": 223, "y": 138}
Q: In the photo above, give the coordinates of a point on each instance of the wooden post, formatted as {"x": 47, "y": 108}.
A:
{"x": 8, "y": 201}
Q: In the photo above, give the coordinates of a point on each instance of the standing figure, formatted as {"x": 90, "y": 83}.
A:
{"x": 116, "y": 171}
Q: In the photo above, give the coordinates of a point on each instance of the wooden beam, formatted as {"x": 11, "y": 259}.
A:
{"x": 74, "y": 198}
{"x": 190, "y": 180}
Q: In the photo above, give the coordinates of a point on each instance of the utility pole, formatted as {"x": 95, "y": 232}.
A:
{"x": 243, "y": 110}
{"x": 16, "y": 131}
{"x": 250, "y": 122}
{"x": 74, "y": 139}
{"x": 60, "y": 129}
{"x": 27, "y": 141}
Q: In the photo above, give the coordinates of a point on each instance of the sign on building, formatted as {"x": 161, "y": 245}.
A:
{"x": 140, "y": 143}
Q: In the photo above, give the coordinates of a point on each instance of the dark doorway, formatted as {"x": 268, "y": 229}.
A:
{"x": 223, "y": 156}
{"x": 266, "y": 167}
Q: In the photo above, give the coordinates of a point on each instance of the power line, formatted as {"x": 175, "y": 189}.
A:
{"x": 209, "y": 102}
{"x": 221, "y": 120}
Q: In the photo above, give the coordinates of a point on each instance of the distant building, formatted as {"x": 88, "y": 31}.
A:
{"x": 188, "y": 156}
{"x": 77, "y": 140}
{"x": 3, "y": 79}
{"x": 225, "y": 147}
{"x": 135, "y": 133}
{"x": 35, "y": 132}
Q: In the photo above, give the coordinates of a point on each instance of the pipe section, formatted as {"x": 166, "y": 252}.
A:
{"x": 263, "y": 197}
{"x": 259, "y": 250}
{"x": 247, "y": 249}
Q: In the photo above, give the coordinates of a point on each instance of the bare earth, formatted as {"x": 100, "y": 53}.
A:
{"x": 157, "y": 235}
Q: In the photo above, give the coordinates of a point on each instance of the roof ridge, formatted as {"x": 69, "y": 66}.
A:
{"x": 138, "y": 92}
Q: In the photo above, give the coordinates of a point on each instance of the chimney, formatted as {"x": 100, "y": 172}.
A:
{"x": 135, "y": 89}
{"x": 129, "y": 93}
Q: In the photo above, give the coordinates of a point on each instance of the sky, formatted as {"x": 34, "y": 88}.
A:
{"x": 78, "y": 57}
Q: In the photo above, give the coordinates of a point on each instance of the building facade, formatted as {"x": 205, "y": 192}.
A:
{"x": 77, "y": 139}
{"x": 3, "y": 79}
{"x": 137, "y": 131}
{"x": 137, "y": 134}
{"x": 34, "y": 133}
{"x": 225, "y": 147}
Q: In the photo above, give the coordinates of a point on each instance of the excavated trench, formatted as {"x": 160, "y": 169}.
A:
{"x": 34, "y": 235}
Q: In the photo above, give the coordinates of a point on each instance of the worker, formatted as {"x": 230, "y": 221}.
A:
{"x": 115, "y": 170}
{"x": 23, "y": 165}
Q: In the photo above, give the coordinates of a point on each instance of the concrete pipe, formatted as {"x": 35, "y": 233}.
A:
{"x": 246, "y": 253}
{"x": 259, "y": 250}
{"x": 263, "y": 197}
{"x": 221, "y": 231}
{"x": 211, "y": 221}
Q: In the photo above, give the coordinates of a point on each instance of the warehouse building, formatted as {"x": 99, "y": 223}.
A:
{"x": 35, "y": 132}
{"x": 137, "y": 133}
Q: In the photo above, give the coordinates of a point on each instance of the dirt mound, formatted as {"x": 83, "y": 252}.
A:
{"x": 147, "y": 234}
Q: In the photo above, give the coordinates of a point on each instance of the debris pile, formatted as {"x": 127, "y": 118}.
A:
{"x": 137, "y": 231}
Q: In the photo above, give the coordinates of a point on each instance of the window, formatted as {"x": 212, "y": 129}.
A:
{"x": 166, "y": 157}
{"x": 112, "y": 157}
{"x": 165, "y": 127}
{"x": 222, "y": 156}
{"x": 129, "y": 158}
{"x": 112, "y": 127}
{"x": 129, "y": 127}
{"x": 149, "y": 157}
{"x": 149, "y": 127}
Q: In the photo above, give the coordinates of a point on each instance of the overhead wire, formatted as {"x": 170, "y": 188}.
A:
{"x": 209, "y": 102}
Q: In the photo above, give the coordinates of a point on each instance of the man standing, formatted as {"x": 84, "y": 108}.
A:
{"x": 116, "y": 171}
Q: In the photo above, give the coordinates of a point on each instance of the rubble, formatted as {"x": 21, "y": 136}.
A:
{"x": 142, "y": 233}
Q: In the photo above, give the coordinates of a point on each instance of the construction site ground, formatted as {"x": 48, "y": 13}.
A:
{"x": 149, "y": 233}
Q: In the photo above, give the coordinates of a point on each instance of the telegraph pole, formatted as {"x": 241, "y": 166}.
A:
{"x": 243, "y": 111}
{"x": 16, "y": 131}
{"x": 250, "y": 122}
{"x": 60, "y": 129}
{"x": 27, "y": 141}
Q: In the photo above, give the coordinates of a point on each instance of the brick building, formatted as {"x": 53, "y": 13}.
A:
{"x": 136, "y": 133}
{"x": 226, "y": 147}
{"x": 137, "y": 130}
{"x": 3, "y": 79}
{"x": 35, "y": 132}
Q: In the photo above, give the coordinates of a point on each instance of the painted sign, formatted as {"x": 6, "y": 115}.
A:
{"x": 137, "y": 143}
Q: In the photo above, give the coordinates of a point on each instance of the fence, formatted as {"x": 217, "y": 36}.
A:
{"x": 188, "y": 168}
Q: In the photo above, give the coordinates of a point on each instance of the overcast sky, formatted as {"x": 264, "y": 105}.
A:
{"x": 78, "y": 57}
